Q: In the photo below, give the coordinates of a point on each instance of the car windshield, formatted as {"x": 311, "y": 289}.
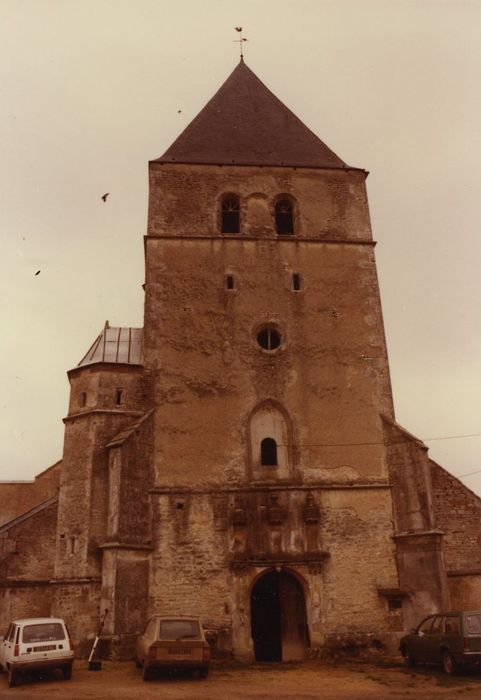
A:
{"x": 179, "y": 629}
{"x": 44, "y": 632}
{"x": 473, "y": 623}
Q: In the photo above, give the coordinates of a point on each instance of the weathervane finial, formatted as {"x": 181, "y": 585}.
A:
{"x": 240, "y": 41}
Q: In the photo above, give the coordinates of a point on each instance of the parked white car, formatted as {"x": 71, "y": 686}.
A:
{"x": 35, "y": 644}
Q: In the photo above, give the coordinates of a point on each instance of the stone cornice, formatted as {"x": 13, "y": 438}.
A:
{"x": 127, "y": 545}
{"x": 263, "y": 486}
{"x": 263, "y": 239}
{"x": 102, "y": 411}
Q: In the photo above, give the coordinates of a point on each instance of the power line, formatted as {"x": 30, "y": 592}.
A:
{"x": 386, "y": 442}
{"x": 452, "y": 437}
{"x": 461, "y": 476}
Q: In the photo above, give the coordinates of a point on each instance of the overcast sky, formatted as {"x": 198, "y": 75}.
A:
{"x": 90, "y": 91}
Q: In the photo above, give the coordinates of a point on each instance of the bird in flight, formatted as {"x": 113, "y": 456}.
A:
{"x": 37, "y": 273}
{"x": 104, "y": 196}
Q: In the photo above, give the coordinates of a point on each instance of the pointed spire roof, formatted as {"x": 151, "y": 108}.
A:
{"x": 245, "y": 124}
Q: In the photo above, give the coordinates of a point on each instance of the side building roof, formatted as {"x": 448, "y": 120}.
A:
{"x": 28, "y": 514}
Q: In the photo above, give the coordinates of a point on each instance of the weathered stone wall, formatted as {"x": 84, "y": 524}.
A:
{"x": 84, "y": 495}
{"x": 125, "y": 594}
{"x": 221, "y": 518}
{"x": 410, "y": 477}
{"x": 98, "y": 383}
{"x": 26, "y": 565}
{"x": 83, "y": 504}
{"x": 130, "y": 478}
{"x": 19, "y": 497}
{"x": 357, "y": 531}
{"x": 458, "y": 513}
{"x": 329, "y": 204}
{"x": 419, "y": 541}
{"x": 25, "y": 600}
{"x": 127, "y": 543}
{"x": 330, "y": 374}
{"x": 78, "y": 603}
{"x": 465, "y": 591}
{"x": 189, "y": 571}
{"x": 211, "y": 547}
{"x": 27, "y": 548}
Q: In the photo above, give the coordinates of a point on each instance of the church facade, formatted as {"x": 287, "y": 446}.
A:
{"x": 238, "y": 456}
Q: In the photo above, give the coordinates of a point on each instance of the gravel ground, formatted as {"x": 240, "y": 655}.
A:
{"x": 353, "y": 680}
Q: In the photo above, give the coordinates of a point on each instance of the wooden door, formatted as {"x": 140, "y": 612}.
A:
{"x": 293, "y": 618}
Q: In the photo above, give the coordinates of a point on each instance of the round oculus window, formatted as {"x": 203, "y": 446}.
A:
{"x": 269, "y": 338}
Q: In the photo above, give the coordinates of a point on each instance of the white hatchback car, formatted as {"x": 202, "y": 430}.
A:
{"x": 36, "y": 644}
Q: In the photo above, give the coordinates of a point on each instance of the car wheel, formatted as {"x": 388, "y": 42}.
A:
{"x": 12, "y": 677}
{"x": 67, "y": 672}
{"x": 409, "y": 659}
{"x": 449, "y": 663}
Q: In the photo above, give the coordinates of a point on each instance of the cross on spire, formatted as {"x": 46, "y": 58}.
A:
{"x": 240, "y": 41}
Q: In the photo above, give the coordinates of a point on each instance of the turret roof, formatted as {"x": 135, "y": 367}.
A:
{"x": 245, "y": 124}
{"x": 115, "y": 344}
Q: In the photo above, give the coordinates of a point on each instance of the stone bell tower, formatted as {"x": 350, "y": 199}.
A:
{"x": 272, "y": 511}
{"x": 238, "y": 457}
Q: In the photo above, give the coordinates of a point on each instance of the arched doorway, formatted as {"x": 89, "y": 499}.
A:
{"x": 278, "y": 618}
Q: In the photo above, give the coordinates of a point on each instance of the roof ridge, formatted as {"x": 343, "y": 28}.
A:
{"x": 128, "y": 430}
{"x": 28, "y": 514}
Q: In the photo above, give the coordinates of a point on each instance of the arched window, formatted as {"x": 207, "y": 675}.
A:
{"x": 269, "y": 434}
{"x": 284, "y": 217}
{"x": 230, "y": 213}
{"x": 269, "y": 452}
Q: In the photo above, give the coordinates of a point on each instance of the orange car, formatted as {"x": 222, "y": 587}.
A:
{"x": 172, "y": 643}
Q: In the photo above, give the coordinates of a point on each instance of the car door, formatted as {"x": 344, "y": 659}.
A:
{"x": 3, "y": 646}
{"x": 147, "y": 639}
{"x": 434, "y": 639}
{"x": 420, "y": 642}
{"x": 8, "y": 645}
{"x": 452, "y": 634}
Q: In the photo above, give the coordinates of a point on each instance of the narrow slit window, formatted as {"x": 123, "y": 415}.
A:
{"x": 119, "y": 397}
{"x": 230, "y": 281}
{"x": 269, "y": 452}
{"x": 230, "y": 213}
{"x": 296, "y": 282}
{"x": 284, "y": 218}
{"x": 82, "y": 399}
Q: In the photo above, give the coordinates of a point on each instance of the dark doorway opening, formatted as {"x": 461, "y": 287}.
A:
{"x": 278, "y": 618}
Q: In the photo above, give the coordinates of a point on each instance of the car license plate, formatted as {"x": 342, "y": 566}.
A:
{"x": 180, "y": 651}
{"x": 50, "y": 647}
